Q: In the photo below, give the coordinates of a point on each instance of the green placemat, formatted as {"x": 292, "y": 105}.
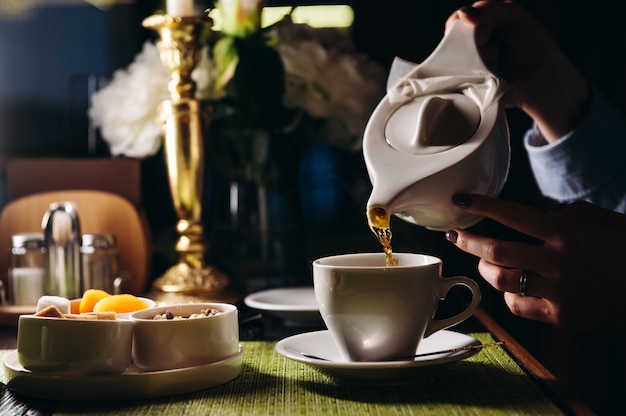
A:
{"x": 489, "y": 382}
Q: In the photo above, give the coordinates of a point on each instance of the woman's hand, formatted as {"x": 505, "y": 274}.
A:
{"x": 519, "y": 49}
{"x": 575, "y": 276}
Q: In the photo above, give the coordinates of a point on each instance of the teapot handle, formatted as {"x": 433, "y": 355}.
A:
{"x": 456, "y": 50}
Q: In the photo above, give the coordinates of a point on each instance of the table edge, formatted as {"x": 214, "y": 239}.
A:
{"x": 532, "y": 366}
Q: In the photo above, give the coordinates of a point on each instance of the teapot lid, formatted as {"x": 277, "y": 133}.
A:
{"x": 432, "y": 123}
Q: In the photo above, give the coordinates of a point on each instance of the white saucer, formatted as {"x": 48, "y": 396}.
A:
{"x": 321, "y": 344}
{"x": 295, "y": 305}
{"x": 130, "y": 385}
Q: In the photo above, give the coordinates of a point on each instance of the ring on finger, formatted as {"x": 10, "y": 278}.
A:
{"x": 523, "y": 283}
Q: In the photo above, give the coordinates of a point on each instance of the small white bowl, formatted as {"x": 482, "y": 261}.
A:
{"x": 74, "y": 346}
{"x": 180, "y": 343}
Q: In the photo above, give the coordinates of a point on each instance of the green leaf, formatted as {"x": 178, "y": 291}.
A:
{"x": 226, "y": 60}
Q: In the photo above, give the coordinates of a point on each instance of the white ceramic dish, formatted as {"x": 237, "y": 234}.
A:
{"x": 74, "y": 346}
{"x": 295, "y": 305}
{"x": 321, "y": 344}
{"x": 181, "y": 343}
{"x": 130, "y": 385}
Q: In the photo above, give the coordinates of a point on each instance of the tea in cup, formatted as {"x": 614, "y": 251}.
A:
{"x": 377, "y": 312}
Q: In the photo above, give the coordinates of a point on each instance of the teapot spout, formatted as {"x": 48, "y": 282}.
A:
{"x": 380, "y": 208}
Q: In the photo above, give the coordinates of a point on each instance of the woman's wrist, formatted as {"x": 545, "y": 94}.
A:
{"x": 562, "y": 106}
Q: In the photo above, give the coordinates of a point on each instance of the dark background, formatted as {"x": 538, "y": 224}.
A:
{"x": 47, "y": 55}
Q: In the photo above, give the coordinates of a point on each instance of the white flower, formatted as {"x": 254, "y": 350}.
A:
{"x": 328, "y": 79}
{"x": 126, "y": 110}
{"x": 325, "y": 77}
{"x": 205, "y": 75}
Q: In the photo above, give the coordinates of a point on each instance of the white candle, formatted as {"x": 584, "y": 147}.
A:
{"x": 179, "y": 7}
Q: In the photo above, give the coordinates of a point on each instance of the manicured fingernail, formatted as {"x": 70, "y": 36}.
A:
{"x": 452, "y": 236}
{"x": 461, "y": 200}
{"x": 470, "y": 11}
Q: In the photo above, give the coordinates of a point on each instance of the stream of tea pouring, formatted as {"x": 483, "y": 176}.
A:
{"x": 439, "y": 130}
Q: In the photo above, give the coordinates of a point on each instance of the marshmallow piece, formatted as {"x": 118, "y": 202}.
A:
{"x": 62, "y": 304}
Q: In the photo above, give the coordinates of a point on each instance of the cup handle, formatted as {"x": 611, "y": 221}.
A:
{"x": 447, "y": 284}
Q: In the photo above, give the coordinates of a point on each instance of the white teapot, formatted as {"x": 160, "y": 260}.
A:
{"x": 440, "y": 130}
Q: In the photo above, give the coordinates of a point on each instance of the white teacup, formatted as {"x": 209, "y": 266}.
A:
{"x": 376, "y": 312}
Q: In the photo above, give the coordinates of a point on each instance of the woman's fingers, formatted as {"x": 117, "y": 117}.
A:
{"x": 538, "y": 309}
{"x": 507, "y": 254}
{"x": 527, "y": 220}
{"x": 510, "y": 280}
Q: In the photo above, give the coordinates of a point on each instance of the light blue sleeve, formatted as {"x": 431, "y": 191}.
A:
{"x": 589, "y": 163}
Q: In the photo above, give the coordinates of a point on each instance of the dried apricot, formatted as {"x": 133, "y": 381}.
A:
{"x": 90, "y": 298}
{"x": 75, "y": 306}
{"x": 123, "y": 303}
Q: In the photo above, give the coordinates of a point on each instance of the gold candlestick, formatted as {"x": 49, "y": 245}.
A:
{"x": 183, "y": 117}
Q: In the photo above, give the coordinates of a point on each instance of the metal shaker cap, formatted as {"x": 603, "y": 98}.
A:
{"x": 92, "y": 242}
{"x": 27, "y": 241}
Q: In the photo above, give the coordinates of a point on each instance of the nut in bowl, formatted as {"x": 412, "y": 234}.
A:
{"x": 74, "y": 346}
{"x": 186, "y": 335}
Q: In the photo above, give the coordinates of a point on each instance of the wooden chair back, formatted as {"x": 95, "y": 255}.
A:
{"x": 98, "y": 212}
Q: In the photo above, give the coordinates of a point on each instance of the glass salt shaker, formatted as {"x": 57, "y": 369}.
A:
{"x": 100, "y": 262}
{"x": 26, "y": 278}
